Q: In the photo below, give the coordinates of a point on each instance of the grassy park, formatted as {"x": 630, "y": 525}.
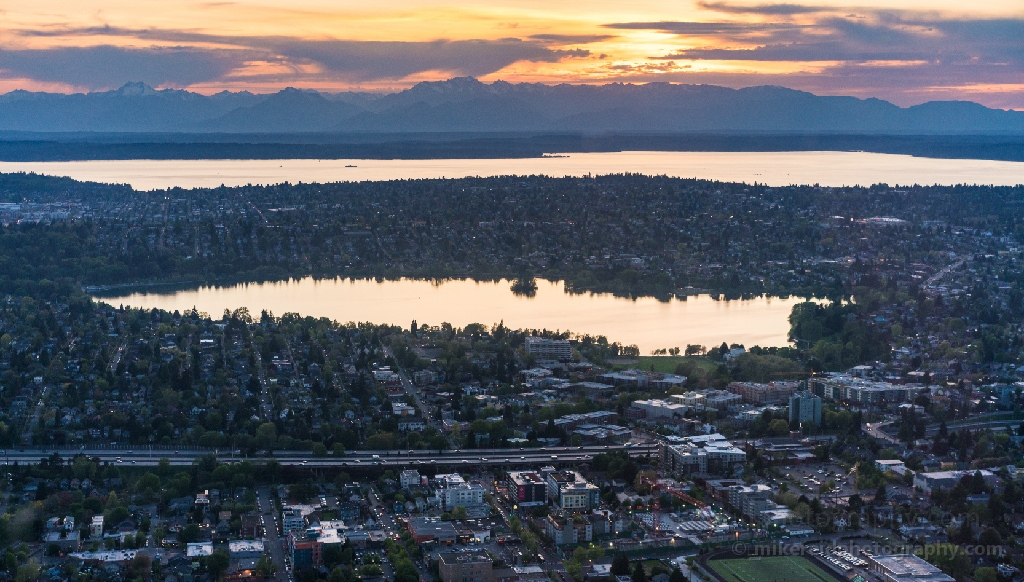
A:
{"x": 769, "y": 569}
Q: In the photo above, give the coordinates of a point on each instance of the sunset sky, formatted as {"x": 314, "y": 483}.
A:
{"x": 920, "y": 51}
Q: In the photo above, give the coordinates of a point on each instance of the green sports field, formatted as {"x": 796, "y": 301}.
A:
{"x": 769, "y": 569}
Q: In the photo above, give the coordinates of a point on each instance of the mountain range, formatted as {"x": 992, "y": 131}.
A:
{"x": 467, "y": 105}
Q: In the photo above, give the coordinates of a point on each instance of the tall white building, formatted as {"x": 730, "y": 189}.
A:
{"x": 804, "y": 407}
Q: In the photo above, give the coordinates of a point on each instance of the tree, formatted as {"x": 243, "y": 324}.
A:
{"x": 149, "y": 483}
{"x": 369, "y": 570}
{"x": 574, "y": 569}
{"x": 28, "y": 573}
{"x": 856, "y": 502}
{"x": 990, "y": 537}
{"x": 620, "y": 565}
{"x": 268, "y": 568}
{"x": 189, "y": 534}
{"x": 676, "y": 576}
{"x": 985, "y": 575}
{"x": 950, "y": 558}
{"x": 319, "y": 450}
{"x": 965, "y": 534}
{"x": 639, "y": 574}
{"x": 778, "y": 428}
{"x": 266, "y": 436}
{"x": 217, "y": 563}
{"x": 302, "y": 491}
{"x": 139, "y": 567}
{"x": 459, "y": 513}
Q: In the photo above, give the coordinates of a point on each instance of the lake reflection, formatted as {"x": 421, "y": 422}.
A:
{"x": 772, "y": 168}
{"x": 646, "y": 322}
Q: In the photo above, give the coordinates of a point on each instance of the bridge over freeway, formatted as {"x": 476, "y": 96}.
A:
{"x": 403, "y": 459}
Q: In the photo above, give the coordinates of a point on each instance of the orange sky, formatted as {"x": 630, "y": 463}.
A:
{"x": 919, "y": 52}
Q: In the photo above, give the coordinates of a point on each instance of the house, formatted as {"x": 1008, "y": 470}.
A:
{"x": 251, "y": 526}
{"x": 411, "y": 424}
{"x": 409, "y": 478}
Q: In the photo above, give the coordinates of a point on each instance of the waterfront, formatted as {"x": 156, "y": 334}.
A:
{"x": 772, "y": 168}
{"x": 646, "y": 322}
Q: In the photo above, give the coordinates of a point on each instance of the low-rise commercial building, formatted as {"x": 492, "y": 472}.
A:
{"x": 708, "y": 399}
{"x": 426, "y": 529}
{"x": 465, "y": 567}
{"x": 708, "y": 454}
{"x": 565, "y": 528}
{"x": 854, "y": 390}
{"x": 456, "y": 494}
{"x": 763, "y": 394}
{"x": 655, "y": 409}
{"x": 929, "y": 482}
{"x": 906, "y": 568}
{"x": 895, "y": 466}
{"x": 67, "y": 541}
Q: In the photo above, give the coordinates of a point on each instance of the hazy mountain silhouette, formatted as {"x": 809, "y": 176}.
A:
{"x": 467, "y": 105}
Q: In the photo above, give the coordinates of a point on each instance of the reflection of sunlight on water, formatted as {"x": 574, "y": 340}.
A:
{"x": 772, "y": 168}
{"x": 645, "y": 321}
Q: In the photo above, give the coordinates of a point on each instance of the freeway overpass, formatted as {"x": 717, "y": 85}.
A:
{"x": 524, "y": 457}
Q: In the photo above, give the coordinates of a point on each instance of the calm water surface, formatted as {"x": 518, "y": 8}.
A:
{"x": 773, "y": 168}
{"x": 646, "y": 322}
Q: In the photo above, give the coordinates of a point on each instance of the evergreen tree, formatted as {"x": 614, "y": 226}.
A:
{"x": 620, "y": 565}
{"x": 639, "y": 575}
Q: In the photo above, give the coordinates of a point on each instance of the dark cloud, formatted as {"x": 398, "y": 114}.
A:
{"x": 109, "y": 66}
{"x": 956, "y": 48}
{"x": 705, "y": 28}
{"x": 572, "y": 38}
{"x": 764, "y": 9}
{"x": 368, "y": 61}
{"x": 350, "y": 61}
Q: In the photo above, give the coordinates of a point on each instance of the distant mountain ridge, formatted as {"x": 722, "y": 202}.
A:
{"x": 467, "y": 105}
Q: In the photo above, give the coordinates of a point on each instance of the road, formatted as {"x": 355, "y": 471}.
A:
{"x": 352, "y": 460}
{"x": 414, "y": 394}
{"x": 271, "y": 540}
{"x": 877, "y": 430}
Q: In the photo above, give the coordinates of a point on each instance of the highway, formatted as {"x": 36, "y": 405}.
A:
{"x": 526, "y": 457}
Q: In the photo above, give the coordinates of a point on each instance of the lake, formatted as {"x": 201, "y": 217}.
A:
{"x": 646, "y": 322}
{"x": 772, "y": 168}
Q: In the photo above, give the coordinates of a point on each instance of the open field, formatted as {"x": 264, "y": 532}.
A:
{"x": 667, "y": 364}
{"x": 769, "y": 569}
